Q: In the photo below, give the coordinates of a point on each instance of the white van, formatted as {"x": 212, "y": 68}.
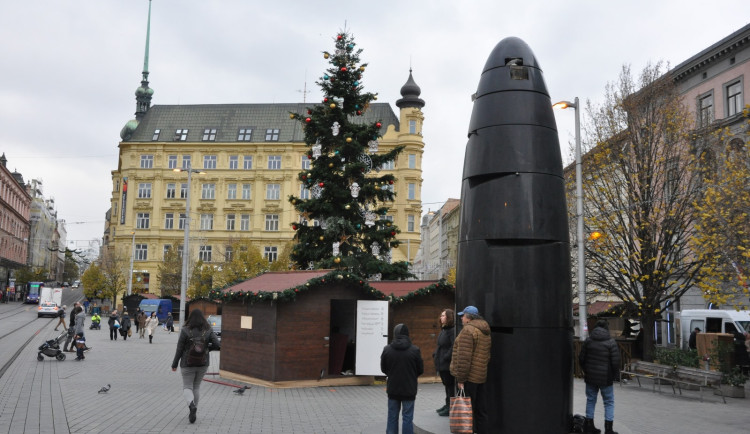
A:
{"x": 712, "y": 321}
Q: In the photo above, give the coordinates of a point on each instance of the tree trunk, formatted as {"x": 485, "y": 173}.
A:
{"x": 647, "y": 330}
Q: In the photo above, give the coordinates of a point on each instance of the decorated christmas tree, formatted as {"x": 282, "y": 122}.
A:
{"x": 342, "y": 222}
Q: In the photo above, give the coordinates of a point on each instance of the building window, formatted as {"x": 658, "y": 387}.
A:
{"x": 244, "y": 134}
{"x": 271, "y": 253}
{"x": 304, "y": 192}
{"x": 208, "y": 191}
{"x": 305, "y": 162}
{"x": 142, "y": 220}
{"x": 147, "y": 161}
{"x": 186, "y": 161}
{"x": 169, "y": 220}
{"x": 272, "y": 222}
{"x": 180, "y": 135}
{"x": 207, "y": 222}
{"x": 141, "y": 252}
{"x": 247, "y": 162}
{"x": 272, "y": 135}
{"x": 167, "y": 248}
{"x": 171, "y": 190}
{"x": 246, "y": 189}
{"x": 144, "y": 190}
{"x": 183, "y": 220}
{"x": 412, "y": 127}
{"x": 209, "y": 134}
{"x": 412, "y": 191}
{"x": 273, "y": 191}
{"x": 410, "y": 223}
{"x": 231, "y": 191}
{"x": 171, "y": 162}
{"x": 209, "y": 161}
{"x": 705, "y": 110}
{"x": 388, "y": 165}
{"x": 234, "y": 162}
{"x": 389, "y": 218}
{"x": 183, "y": 191}
{"x": 230, "y": 222}
{"x": 412, "y": 161}
{"x": 734, "y": 98}
{"x": 204, "y": 253}
{"x": 155, "y": 137}
{"x": 245, "y": 222}
{"x": 228, "y": 254}
{"x": 274, "y": 162}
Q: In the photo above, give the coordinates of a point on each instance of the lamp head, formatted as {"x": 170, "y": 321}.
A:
{"x": 564, "y": 105}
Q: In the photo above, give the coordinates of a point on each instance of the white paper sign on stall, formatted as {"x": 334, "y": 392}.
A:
{"x": 372, "y": 335}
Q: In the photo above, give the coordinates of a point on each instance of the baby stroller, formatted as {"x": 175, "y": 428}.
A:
{"x": 51, "y": 348}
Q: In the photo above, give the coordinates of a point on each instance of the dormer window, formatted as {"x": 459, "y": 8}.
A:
{"x": 272, "y": 135}
{"x": 244, "y": 134}
{"x": 156, "y": 135}
{"x": 180, "y": 135}
{"x": 209, "y": 134}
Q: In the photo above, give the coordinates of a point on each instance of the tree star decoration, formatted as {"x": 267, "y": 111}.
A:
{"x": 354, "y": 189}
{"x": 375, "y": 246}
{"x": 335, "y": 128}
{"x": 316, "y": 149}
{"x": 316, "y": 191}
{"x": 372, "y": 146}
{"x": 336, "y": 245}
{"x": 344, "y": 238}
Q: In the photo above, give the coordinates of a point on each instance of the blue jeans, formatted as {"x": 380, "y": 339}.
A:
{"x": 608, "y": 397}
{"x": 407, "y": 413}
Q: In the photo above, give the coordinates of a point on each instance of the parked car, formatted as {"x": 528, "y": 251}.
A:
{"x": 47, "y": 308}
{"x": 215, "y": 322}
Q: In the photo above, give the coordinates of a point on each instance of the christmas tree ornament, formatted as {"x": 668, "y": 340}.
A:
{"x": 337, "y": 260}
{"x": 335, "y": 128}
{"x": 359, "y": 113}
{"x": 326, "y": 77}
{"x": 369, "y": 219}
{"x": 362, "y": 69}
{"x": 348, "y": 140}
{"x": 388, "y": 258}
{"x": 347, "y": 206}
{"x": 340, "y": 36}
{"x": 326, "y": 55}
{"x": 393, "y": 233}
{"x": 390, "y": 182}
{"x": 321, "y": 238}
{"x": 309, "y": 112}
{"x": 359, "y": 226}
{"x": 367, "y": 161}
{"x": 388, "y": 223}
{"x": 324, "y": 224}
{"x": 291, "y": 115}
{"x": 343, "y": 69}
{"x": 335, "y": 246}
{"x": 376, "y": 187}
{"x": 375, "y": 248}
{"x": 317, "y": 149}
{"x": 316, "y": 191}
{"x": 354, "y": 187}
{"x": 325, "y": 99}
{"x": 375, "y": 277}
{"x": 350, "y": 46}
{"x": 308, "y": 120}
{"x": 330, "y": 165}
{"x": 333, "y": 106}
{"x": 310, "y": 266}
{"x": 372, "y": 146}
{"x": 356, "y": 83}
{"x": 294, "y": 227}
{"x": 378, "y": 124}
{"x": 320, "y": 184}
{"x": 340, "y": 52}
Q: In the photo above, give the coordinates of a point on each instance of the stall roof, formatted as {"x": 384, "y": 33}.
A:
{"x": 276, "y": 281}
{"x": 400, "y": 288}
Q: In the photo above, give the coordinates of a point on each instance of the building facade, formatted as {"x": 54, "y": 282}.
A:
{"x": 45, "y": 242}
{"x": 438, "y": 250}
{"x": 15, "y": 205}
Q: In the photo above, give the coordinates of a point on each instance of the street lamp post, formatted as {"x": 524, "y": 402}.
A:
{"x": 186, "y": 240}
{"x": 579, "y": 215}
{"x": 132, "y": 256}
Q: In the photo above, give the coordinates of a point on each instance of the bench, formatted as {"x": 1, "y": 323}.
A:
{"x": 681, "y": 377}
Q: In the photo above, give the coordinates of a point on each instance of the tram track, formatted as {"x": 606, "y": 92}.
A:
{"x": 22, "y": 347}
{"x": 15, "y": 311}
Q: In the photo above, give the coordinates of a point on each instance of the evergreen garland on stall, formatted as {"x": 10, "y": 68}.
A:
{"x": 343, "y": 221}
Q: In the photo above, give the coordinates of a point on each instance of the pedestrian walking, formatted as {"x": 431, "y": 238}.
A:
{"x": 71, "y": 330}
{"x": 151, "y": 323}
{"x": 692, "y": 340}
{"x": 471, "y": 355}
{"x": 86, "y": 306}
{"x": 195, "y": 341}
{"x": 79, "y": 340}
{"x": 114, "y": 325}
{"x": 140, "y": 322}
{"x": 125, "y": 325}
{"x": 170, "y": 323}
{"x": 600, "y": 361}
{"x": 135, "y": 319}
{"x": 442, "y": 357}
{"x": 401, "y": 361}
{"x": 61, "y": 316}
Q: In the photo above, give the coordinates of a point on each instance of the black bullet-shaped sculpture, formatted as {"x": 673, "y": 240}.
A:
{"x": 513, "y": 250}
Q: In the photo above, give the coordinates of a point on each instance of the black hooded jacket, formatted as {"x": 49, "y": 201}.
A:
{"x": 402, "y": 363}
{"x": 600, "y": 358}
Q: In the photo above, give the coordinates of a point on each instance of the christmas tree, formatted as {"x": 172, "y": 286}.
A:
{"x": 343, "y": 221}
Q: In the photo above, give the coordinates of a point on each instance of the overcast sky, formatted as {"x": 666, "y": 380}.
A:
{"x": 70, "y": 69}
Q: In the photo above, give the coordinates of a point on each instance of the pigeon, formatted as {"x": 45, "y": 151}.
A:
{"x": 241, "y": 390}
{"x": 104, "y": 389}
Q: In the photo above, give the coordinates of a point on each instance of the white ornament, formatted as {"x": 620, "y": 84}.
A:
{"x": 388, "y": 257}
{"x": 355, "y": 189}
{"x": 335, "y": 128}
{"x": 370, "y": 218}
{"x": 316, "y": 191}
{"x": 310, "y": 265}
{"x": 336, "y": 248}
{"x": 367, "y": 161}
{"x": 376, "y": 277}
{"x": 316, "y": 149}
{"x": 375, "y": 248}
{"x": 324, "y": 224}
{"x": 340, "y": 51}
{"x": 372, "y": 146}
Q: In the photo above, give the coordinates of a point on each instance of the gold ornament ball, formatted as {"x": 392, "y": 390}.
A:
{"x": 337, "y": 260}
{"x": 322, "y": 238}
{"x": 347, "y": 206}
{"x": 388, "y": 224}
{"x": 348, "y": 140}
{"x": 332, "y": 105}
{"x": 377, "y": 187}
{"x": 362, "y": 69}
{"x": 326, "y": 55}
{"x": 291, "y": 116}
{"x": 330, "y": 164}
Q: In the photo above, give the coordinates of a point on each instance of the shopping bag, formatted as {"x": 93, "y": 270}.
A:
{"x": 130, "y": 332}
{"x": 461, "y": 413}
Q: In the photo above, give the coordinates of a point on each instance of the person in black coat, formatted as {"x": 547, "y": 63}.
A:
{"x": 402, "y": 362}
{"x": 442, "y": 357}
{"x": 693, "y": 338}
{"x": 600, "y": 361}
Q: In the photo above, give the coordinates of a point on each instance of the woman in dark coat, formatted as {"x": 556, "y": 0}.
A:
{"x": 111, "y": 322}
{"x": 125, "y": 325}
{"x": 442, "y": 357}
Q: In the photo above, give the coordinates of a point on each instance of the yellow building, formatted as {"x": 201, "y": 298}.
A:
{"x": 251, "y": 155}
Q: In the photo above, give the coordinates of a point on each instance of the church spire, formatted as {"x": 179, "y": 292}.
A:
{"x": 144, "y": 93}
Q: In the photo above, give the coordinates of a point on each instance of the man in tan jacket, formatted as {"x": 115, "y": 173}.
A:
{"x": 471, "y": 355}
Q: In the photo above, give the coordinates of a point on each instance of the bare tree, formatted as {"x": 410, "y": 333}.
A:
{"x": 639, "y": 187}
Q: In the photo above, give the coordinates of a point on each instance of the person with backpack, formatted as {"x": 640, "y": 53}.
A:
{"x": 114, "y": 325}
{"x": 196, "y": 339}
{"x": 125, "y": 325}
